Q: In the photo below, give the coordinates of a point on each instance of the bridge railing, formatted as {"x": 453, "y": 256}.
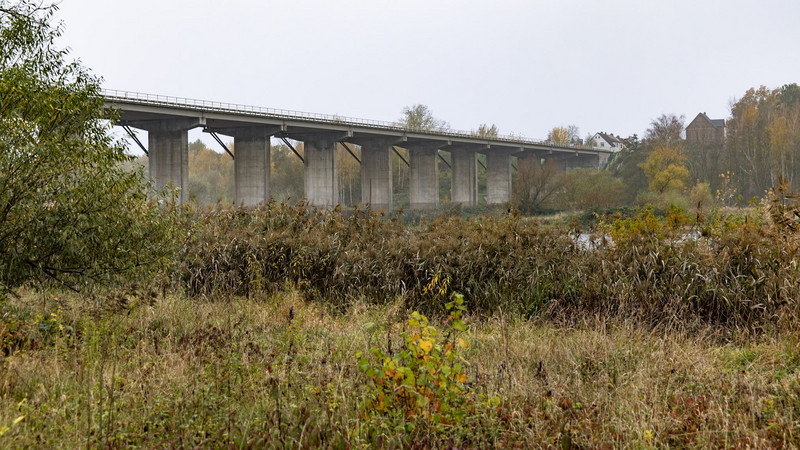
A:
{"x": 208, "y": 105}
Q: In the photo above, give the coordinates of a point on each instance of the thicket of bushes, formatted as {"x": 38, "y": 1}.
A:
{"x": 730, "y": 271}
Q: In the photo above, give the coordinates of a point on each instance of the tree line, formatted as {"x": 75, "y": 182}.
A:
{"x": 761, "y": 147}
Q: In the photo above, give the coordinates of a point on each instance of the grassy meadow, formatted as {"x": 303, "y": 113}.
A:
{"x": 291, "y": 328}
{"x": 281, "y": 371}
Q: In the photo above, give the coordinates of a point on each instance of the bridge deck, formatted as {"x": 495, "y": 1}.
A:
{"x": 136, "y": 107}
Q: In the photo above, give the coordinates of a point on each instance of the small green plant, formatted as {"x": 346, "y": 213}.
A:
{"x": 423, "y": 381}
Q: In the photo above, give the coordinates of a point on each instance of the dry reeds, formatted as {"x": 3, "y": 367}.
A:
{"x": 738, "y": 274}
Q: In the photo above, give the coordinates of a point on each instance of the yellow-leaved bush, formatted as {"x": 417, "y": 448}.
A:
{"x": 425, "y": 379}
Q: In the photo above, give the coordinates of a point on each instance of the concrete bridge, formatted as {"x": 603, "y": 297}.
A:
{"x": 168, "y": 119}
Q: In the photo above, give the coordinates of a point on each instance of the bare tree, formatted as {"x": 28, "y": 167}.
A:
{"x": 536, "y": 182}
{"x": 419, "y": 117}
{"x": 562, "y": 135}
{"x": 666, "y": 130}
{"x": 486, "y": 131}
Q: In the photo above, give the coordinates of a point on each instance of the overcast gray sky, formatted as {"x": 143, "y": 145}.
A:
{"x": 525, "y": 66}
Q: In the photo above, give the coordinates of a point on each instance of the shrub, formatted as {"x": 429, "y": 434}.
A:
{"x": 424, "y": 382}
{"x": 590, "y": 188}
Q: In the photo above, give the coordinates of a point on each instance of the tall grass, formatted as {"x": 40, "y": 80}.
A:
{"x": 279, "y": 371}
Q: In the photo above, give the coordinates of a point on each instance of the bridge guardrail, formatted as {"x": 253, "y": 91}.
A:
{"x": 214, "y": 106}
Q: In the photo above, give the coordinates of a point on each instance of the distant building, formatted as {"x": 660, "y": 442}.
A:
{"x": 606, "y": 141}
{"x": 703, "y": 130}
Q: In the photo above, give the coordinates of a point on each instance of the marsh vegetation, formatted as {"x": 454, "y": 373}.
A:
{"x": 286, "y": 326}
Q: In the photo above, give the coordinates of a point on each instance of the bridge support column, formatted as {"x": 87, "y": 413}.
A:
{"x": 423, "y": 176}
{"x": 464, "y": 187}
{"x": 252, "y": 163}
{"x": 251, "y": 166}
{"x": 376, "y": 174}
{"x": 169, "y": 160}
{"x": 168, "y": 144}
{"x": 321, "y": 182}
{"x": 498, "y": 177}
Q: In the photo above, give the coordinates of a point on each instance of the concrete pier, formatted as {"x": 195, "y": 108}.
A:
{"x": 321, "y": 163}
{"x": 168, "y": 145}
{"x": 464, "y": 187}
{"x": 251, "y": 163}
{"x": 169, "y": 160}
{"x": 498, "y": 177}
{"x": 251, "y": 166}
{"x": 376, "y": 174}
{"x": 423, "y": 175}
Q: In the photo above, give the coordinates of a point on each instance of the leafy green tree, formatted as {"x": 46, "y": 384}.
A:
{"x": 789, "y": 94}
{"x": 665, "y": 170}
{"x": 665, "y": 165}
{"x": 69, "y": 209}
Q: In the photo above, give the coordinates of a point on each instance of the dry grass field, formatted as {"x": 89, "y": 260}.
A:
{"x": 282, "y": 371}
